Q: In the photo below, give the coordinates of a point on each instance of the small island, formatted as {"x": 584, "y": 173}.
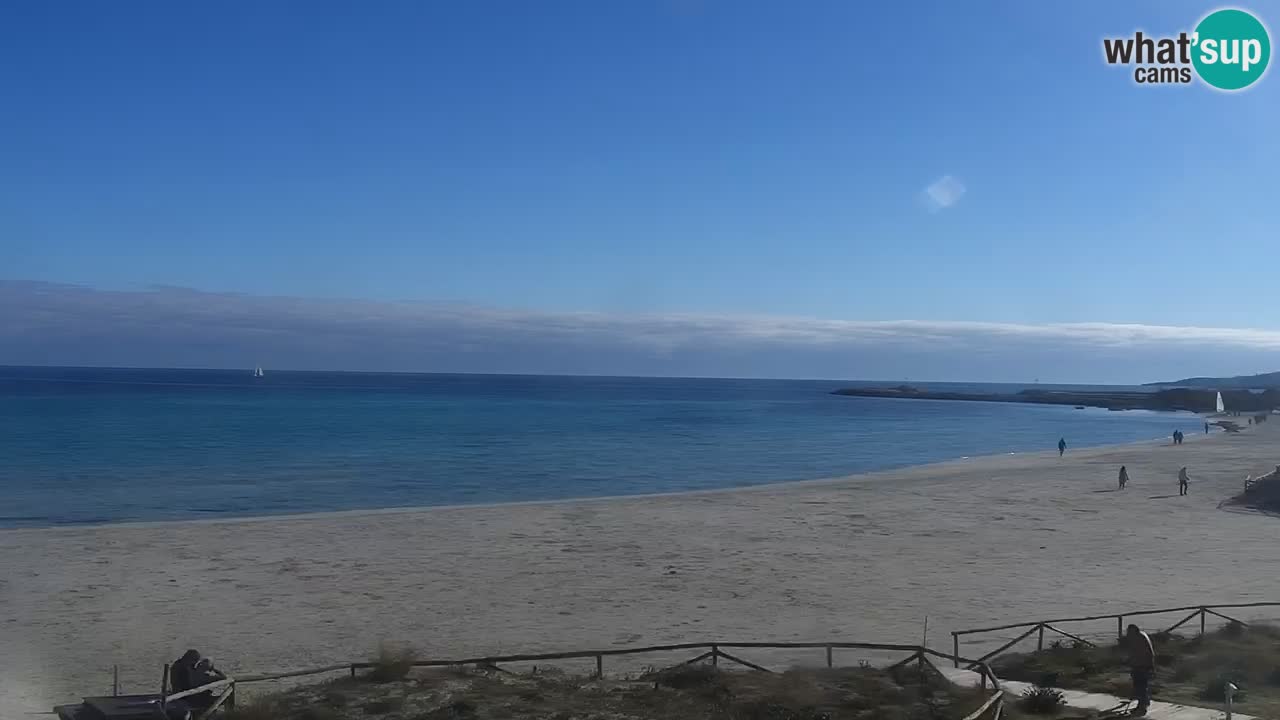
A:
{"x": 1172, "y": 399}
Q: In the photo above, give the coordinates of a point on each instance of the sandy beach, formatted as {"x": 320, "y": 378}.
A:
{"x": 969, "y": 542}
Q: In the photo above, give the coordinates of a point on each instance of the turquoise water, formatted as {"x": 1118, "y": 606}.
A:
{"x": 111, "y": 445}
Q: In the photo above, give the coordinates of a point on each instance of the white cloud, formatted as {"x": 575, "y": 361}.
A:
{"x": 44, "y": 323}
{"x": 943, "y": 193}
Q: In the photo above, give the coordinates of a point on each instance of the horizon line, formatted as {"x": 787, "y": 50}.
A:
{"x": 5, "y": 366}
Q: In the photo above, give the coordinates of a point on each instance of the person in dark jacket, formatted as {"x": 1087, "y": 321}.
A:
{"x": 1142, "y": 665}
{"x": 203, "y": 674}
{"x": 182, "y": 672}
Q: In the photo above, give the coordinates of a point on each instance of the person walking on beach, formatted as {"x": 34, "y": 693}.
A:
{"x": 1206, "y": 428}
{"x": 1142, "y": 664}
{"x": 1183, "y": 481}
{"x": 1062, "y": 446}
{"x": 1124, "y": 476}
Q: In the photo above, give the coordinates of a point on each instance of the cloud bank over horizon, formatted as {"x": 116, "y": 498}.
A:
{"x": 57, "y": 324}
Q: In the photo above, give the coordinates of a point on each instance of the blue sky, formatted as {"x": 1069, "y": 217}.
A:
{"x": 674, "y": 157}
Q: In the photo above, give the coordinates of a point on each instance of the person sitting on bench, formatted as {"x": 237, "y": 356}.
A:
{"x": 182, "y": 672}
{"x": 203, "y": 674}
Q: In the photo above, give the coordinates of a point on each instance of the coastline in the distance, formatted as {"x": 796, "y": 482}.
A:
{"x": 1166, "y": 399}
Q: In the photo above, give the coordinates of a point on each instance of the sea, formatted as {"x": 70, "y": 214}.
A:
{"x": 108, "y": 445}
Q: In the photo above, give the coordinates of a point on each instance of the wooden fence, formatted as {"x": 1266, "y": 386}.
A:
{"x": 1251, "y": 481}
{"x": 1039, "y": 627}
{"x": 713, "y": 652}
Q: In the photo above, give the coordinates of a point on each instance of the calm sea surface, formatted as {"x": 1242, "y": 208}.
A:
{"x": 110, "y": 445}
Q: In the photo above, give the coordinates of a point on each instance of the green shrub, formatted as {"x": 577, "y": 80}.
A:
{"x": 383, "y": 706}
{"x": 263, "y": 709}
{"x": 1216, "y": 689}
{"x": 1048, "y": 679}
{"x": 683, "y": 677}
{"x": 457, "y": 710}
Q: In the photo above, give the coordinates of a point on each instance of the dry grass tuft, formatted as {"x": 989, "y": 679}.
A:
{"x": 690, "y": 691}
{"x": 382, "y": 706}
{"x": 1039, "y": 700}
{"x": 391, "y": 664}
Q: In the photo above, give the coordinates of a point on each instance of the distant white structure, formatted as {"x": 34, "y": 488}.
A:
{"x": 257, "y": 372}
{"x": 1220, "y": 407}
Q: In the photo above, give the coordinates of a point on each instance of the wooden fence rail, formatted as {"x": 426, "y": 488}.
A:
{"x": 578, "y": 654}
{"x": 1251, "y": 481}
{"x": 1039, "y": 626}
{"x": 713, "y": 651}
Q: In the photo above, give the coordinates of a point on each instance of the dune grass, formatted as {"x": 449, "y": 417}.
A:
{"x": 1190, "y": 669}
{"x": 693, "y": 691}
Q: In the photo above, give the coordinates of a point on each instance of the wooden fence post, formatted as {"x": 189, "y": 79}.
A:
{"x": 955, "y": 644}
{"x": 115, "y": 681}
{"x": 599, "y": 667}
{"x": 715, "y": 655}
{"x": 1119, "y": 627}
{"x": 164, "y": 685}
{"x": 1040, "y": 642}
{"x": 1202, "y": 614}
{"x": 829, "y": 656}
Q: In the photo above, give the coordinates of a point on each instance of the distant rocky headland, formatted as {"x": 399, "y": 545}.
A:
{"x": 1188, "y": 399}
{"x": 1261, "y": 381}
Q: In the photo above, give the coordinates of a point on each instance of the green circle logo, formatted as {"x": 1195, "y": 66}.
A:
{"x": 1232, "y": 49}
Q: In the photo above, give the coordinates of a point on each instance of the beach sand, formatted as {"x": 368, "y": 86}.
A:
{"x": 966, "y": 543}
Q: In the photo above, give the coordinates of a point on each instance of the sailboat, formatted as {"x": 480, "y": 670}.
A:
{"x": 257, "y": 372}
{"x": 1220, "y": 407}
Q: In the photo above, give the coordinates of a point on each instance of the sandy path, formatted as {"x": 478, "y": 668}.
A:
{"x": 863, "y": 558}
